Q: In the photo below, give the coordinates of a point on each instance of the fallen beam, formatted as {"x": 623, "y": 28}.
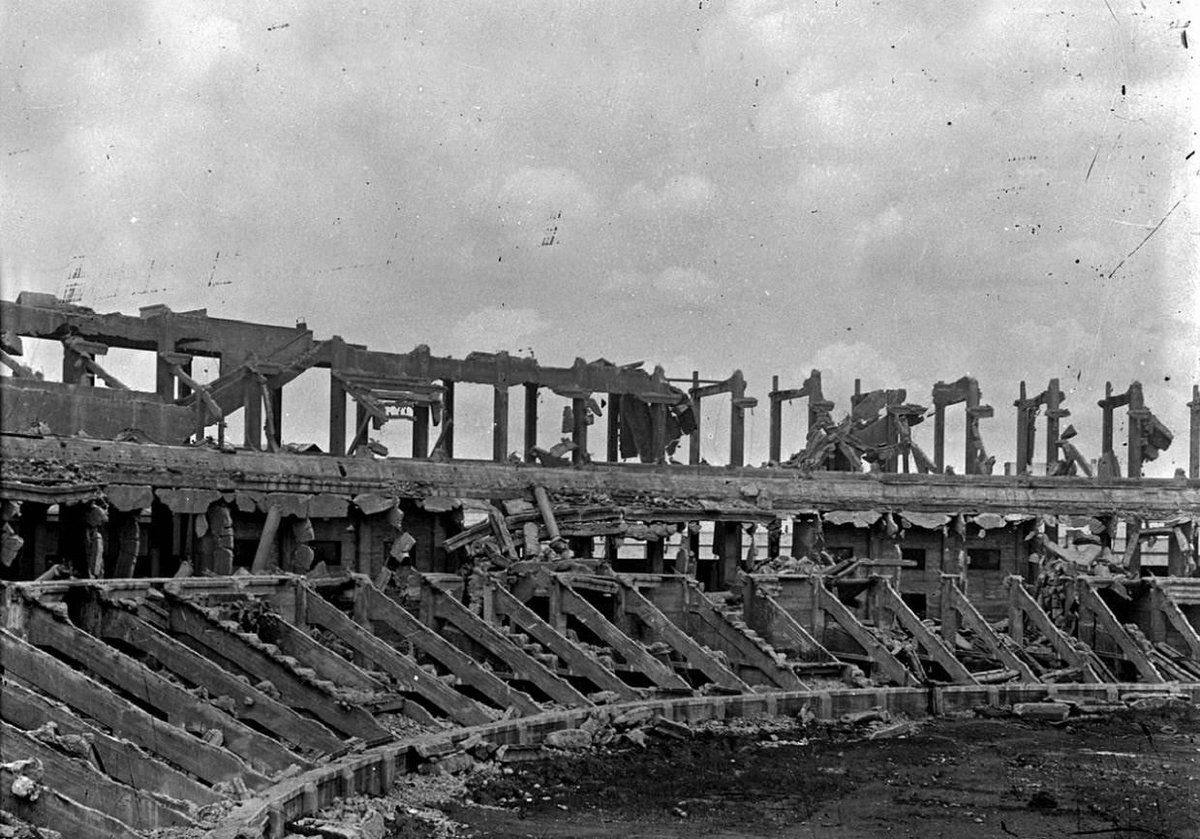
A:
{"x": 407, "y": 673}
{"x": 785, "y": 632}
{"x": 58, "y": 812}
{"x": 295, "y": 642}
{"x": 577, "y": 660}
{"x": 634, "y": 654}
{"x": 1022, "y": 606}
{"x": 381, "y": 608}
{"x": 956, "y": 607}
{"x": 697, "y": 657}
{"x": 54, "y": 678}
{"x": 185, "y": 618}
{"x": 523, "y": 666}
{"x": 130, "y": 676}
{"x": 119, "y": 759}
{"x": 1178, "y": 621}
{"x": 933, "y": 646}
{"x": 889, "y": 666}
{"x": 1090, "y": 603}
{"x": 80, "y": 781}
{"x": 249, "y": 703}
{"x": 733, "y": 640}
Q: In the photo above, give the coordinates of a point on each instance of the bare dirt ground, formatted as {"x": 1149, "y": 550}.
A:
{"x": 1123, "y": 774}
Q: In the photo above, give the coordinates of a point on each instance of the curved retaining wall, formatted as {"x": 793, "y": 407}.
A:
{"x": 373, "y": 772}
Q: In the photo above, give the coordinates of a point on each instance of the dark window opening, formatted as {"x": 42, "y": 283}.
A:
{"x": 243, "y": 552}
{"x": 839, "y": 554}
{"x": 983, "y": 559}
{"x": 916, "y": 555}
{"x": 329, "y": 552}
{"x": 918, "y": 602}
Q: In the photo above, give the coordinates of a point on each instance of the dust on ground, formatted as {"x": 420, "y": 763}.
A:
{"x": 1122, "y": 774}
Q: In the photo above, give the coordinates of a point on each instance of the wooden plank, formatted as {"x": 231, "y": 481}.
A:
{"x": 954, "y": 599}
{"x": 120, "y": 759}
{"x": 295, "y": 642}
{"x": 889, "y": 666}
{"x": 56, "y": 811}
{"x": 404, "y": 670}
{"x": 249, "y": 703}
{"x": 383, "y": 609}
{"x": 523, "y": 665}
{"x": 634, "y": 654}
{"x": 54, "y": 678}
{"x": 933, "y": 646}
{"x": 1022, "y": 606}
{"x": 133, "y": 678}
{"x": 696, "y": 656}
{"x": 184, "y": 618}
{"x": 577, "y": 660}
{"x": 1091, "y": 602}
{"x": 79, "y": 780}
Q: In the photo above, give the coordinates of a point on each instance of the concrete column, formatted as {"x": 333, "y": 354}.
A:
{"x": 252, "y": 415}
{"x": 531, "y": 421}
{"x": 500, "y": 423}
{"x": 448, "y": 417}
{"x": 775, "y": 442}
{"x": 420, "y": 435}
{"x": 579, "y": 429}
{"x": 614, "y": 428}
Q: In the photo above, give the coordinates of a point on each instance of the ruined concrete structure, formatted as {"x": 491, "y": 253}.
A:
{"x": 237, "y": 611}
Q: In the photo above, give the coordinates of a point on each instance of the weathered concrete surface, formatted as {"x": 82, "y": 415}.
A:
{"x": 95, "y": 411}
{"x": 762, "y": 489}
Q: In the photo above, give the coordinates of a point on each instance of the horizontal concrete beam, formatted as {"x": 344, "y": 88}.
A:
{"x": 753, "y": 489}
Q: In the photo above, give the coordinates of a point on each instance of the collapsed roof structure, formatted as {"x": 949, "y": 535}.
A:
{"x": 268, "y": 624}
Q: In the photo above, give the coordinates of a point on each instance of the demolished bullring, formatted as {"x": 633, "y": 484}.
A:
{"x": 201, "y": 635}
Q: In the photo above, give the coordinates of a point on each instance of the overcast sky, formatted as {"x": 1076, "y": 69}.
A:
{"x": 902, "y": 192}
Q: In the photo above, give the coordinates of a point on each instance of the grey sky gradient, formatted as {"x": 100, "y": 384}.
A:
{"x": 903, "y": 192}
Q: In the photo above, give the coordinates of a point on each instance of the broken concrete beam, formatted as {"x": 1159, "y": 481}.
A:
{"x": 1049, "y": 711}
{"x": 523, "y": 665}
{"x": 186, "y": 619}
{"x": 49, "y": 808}
{"x": 578, "y": 660}
{"x": 82, "y": 782}
{"x": 263, "y": 554}
{"x": 247, "y": 703}
{"x": 568, "y": 738}
{"x": 382, "y": 609}
{"x": 60, "y": 680}
{"x": 120, "y": 759}
{"x": 547, "y": 511}
{"x": 408, "y": 675}
{"x": 177, "y": 705}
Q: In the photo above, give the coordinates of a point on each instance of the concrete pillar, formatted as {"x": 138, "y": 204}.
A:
{"x": 531, "y": 421}
{"x": 500, "y": 423}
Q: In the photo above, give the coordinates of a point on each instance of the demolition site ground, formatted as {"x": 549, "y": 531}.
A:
{"x": 1124, "y": 774}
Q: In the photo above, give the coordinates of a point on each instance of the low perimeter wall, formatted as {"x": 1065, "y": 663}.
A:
{"x": 374, "y": 772}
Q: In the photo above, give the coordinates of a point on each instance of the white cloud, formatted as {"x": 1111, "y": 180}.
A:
{"x": 687, "y": 194}
{"x": 495, "y": 328}
{"x": 676, "y": 280}
{"x": 672, "y": 280}
{"x": 841, "y": 362}
{"x": 531, "y": 197}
